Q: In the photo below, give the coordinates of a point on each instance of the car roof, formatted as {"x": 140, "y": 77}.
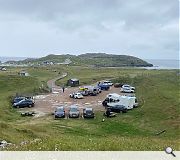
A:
{"x": 127, "y": 88}
{"x": 60, "y": 107}
{"x": 19, "y": 97}
{"x": 88, "y": 109}
{"x": 24, "y": 100}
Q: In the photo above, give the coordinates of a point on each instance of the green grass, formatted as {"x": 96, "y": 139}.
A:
{"x": 157, "y": 92}
{"x": 88, "y": 75}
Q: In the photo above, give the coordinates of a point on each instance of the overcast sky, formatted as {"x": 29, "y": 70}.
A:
{"x": 148, "y": 29}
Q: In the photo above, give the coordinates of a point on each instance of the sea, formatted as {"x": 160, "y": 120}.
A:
{"x": 5, "y": 59}
{"x": 163, "y": 64}
{"x": 157, "y": 63}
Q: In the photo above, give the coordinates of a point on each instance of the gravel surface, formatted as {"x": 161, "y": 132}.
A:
{"x": 48, "y": 103}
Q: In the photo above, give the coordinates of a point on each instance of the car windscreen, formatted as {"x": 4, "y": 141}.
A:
{"x": 73, "y": 109}
{"x": 18, "y": 99}
{"x": 88, "y": 111}
{"x": 59, "y": 110}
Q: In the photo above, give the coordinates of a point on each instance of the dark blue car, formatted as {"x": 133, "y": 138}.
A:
{"x": 24, "y": 103}
{"x": 88, "y": 113}
{"x": 59, "y": 112}
{"x": 17, "y": 99}
{"x": 104, "y": 86}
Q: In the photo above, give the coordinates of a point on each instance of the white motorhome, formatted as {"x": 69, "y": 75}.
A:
{"x": 115, "y": 99}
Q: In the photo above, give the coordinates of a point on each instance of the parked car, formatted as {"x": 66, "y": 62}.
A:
{"x": 127, "y": 90}
{"x": 118, "y": 85}
{"x": 24, "y": 103}
{"x": 17, "y": 99}
{"x": 128, "y": 86}
{"x": 88, "y": 113}
{"x": 74, "y": 112}
{"x": 103, "y": 86}
{"x": 76, "y": 95}
{"x": 93, "y": 93}
{"x": 59, "y": 112}
{"x": 92, "y": 90}
{"x": 108, "y": 83}
{"x": 84, "y": 93}
{"x": 118, "y": 108}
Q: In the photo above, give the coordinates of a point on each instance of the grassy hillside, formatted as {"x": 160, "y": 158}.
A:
{"x": 94, "y": 59}
{"x": 9, "y": 86}
{"x": 157, "y": 91}
{"x": 90, "y": 75}
{"x": 110, "y": 60}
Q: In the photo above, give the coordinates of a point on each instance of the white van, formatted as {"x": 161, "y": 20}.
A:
{"x": 115, "y": 99}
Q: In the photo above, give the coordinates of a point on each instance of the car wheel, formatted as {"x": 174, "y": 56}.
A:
{"x": 30, "y": 106}
{"x": 17, "y": 106}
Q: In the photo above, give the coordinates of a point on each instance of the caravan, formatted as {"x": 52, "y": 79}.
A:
{"x": 114, "y": 99}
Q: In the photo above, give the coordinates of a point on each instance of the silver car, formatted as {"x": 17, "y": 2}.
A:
{"x": 127, "y": 90}
{"x": 74, "y": 112}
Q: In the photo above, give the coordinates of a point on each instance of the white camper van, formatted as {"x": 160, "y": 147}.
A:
{"x": 115, "y": 99}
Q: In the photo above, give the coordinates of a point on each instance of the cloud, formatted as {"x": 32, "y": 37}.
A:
{"x": 147, "y": 29}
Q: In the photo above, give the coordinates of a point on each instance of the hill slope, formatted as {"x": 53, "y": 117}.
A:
{"x": 95, "y": 59}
